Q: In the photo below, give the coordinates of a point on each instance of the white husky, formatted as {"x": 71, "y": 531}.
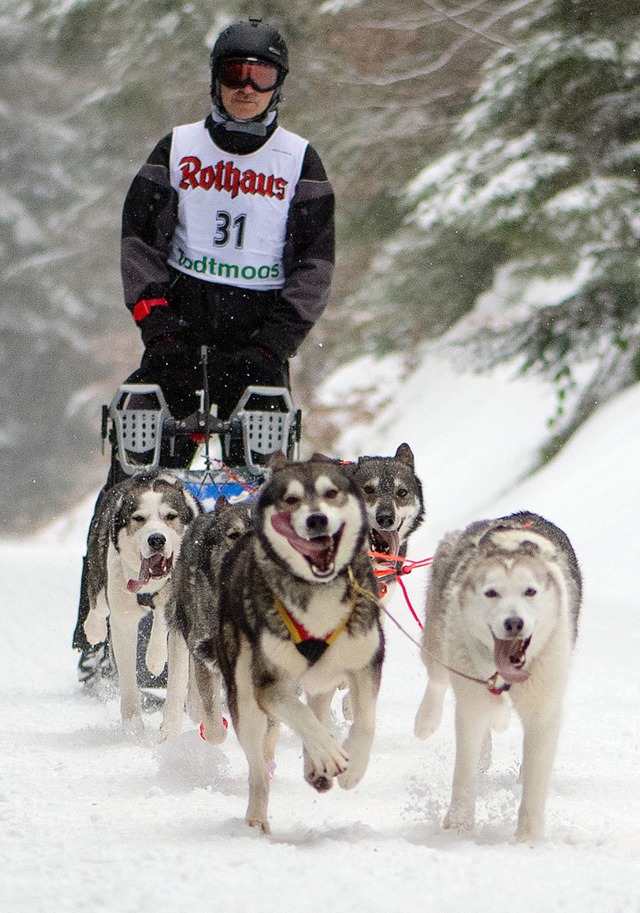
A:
{"x": 502, "y": 614}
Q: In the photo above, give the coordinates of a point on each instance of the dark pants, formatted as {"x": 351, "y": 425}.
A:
{"x": 229, "y": 374}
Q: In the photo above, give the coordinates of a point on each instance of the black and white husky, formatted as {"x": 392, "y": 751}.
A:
{"x": 394, "y": 503}
{"x": 501, "y": 622}
{"x": 299, "y": 614}
{"x": 133, "y": 542}
{"x": 193, "y": 620}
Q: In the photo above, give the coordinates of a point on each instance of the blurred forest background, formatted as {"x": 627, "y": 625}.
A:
{"x": 485, "y": 156}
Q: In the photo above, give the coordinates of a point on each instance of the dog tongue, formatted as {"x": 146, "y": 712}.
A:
{"x": 509, "y": 657}
{"x": 318, "y": 548}
{"x": 154, "y": 566}
{"x": 143, "y": 577}
{"x": 386, "y": 541}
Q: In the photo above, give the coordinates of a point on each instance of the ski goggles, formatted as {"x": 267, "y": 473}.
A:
{"x": 236, "y": 74}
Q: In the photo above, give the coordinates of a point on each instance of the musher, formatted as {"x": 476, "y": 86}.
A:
{"x": 227, "y": 242}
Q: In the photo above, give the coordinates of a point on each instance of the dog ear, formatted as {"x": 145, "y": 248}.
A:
{"x": 221, "y": 504}
{"x": 277, "y": 460}
{"x": 321, "y": 458}
{"x": 529, "y": 548}
{"x": 404, "y": 453}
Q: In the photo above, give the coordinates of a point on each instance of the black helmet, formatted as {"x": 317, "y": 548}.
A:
{"x": 251, "y": 38}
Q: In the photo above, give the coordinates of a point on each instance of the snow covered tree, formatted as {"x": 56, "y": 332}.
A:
{"x": 524, "y": 236}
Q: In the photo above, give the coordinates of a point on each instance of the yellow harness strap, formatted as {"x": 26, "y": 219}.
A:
{"x": 299, "y": 633}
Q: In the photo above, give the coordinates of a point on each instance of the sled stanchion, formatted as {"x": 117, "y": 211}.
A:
{"x": 205, "y": 417}
{"x": 265, "y": 422}
{"x": 138, "y": 413}
{"x": 104, "y": 426}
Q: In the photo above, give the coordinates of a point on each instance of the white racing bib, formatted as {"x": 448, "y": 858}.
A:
{"x": 233, "y": 209}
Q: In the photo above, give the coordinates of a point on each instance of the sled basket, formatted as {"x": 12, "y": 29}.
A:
{"x": 268, "y": 423}
{"x": 138, "y": 412}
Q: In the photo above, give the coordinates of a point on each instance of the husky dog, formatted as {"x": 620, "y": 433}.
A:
{"x": 193, "y": 620}
{"x": 394, "y": 503}
{"x": 502, "y": 616}
{"x": 134, "y": 539}
{"x": 299, "y": 613}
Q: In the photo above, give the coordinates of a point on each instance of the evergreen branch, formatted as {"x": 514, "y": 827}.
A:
{"x": 447, "y": 56}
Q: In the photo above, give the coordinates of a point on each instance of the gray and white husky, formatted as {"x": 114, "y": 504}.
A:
{"x": 193, "y": 620}
{"x": 134, "y": 540}
{"x": 501, "y": 622}
{"x": 394, "y": 503}
{"x": 299, "y": 614}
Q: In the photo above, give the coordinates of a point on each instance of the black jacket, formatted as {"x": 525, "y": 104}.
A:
{"x": 223, "y": 316}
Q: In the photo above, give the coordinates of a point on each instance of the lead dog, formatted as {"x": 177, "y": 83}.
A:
{"x": 298, "y": 611}
{"x": 134, "y": 539}
{"x": 502, "y": 616}
{"x": 193, "y": 620}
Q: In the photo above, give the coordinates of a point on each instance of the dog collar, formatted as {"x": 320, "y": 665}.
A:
{"x": 310, "y": 647}
{"x": 496, "y": 684}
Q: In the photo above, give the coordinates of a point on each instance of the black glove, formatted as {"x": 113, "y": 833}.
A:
{"x": 169, "y": 355}
{"x": 160, "y": 323}
{"x": 257, "y": 366}
{"x": 174, "y": 364}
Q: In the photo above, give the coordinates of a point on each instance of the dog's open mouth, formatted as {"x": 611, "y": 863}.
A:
{"x": 319, "y": 551}
{"x": 510, "y": 657}
{"x": 154, "y": 567}
{"x": 384, "y": 542}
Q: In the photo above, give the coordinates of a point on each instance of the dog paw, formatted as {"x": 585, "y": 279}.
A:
{"x": 314, "y": 777}
{"x": 320, "y": 782}
{"x": 460, "y": 820}
{"x": 358, "y": 751}
{"x": 169, "y": 729}
{"x": 155, "y": 661}
{"x": 428, "y": 717}
{"x": 352, "y": 776}
{"x": 323, "y": 763}
{"x": 95, "y": 627}
{"x": 213, "y": 731}
{"x": 530, "y": 828}
{"x": 259, "y": 823}
{"x": 133, "y": 728}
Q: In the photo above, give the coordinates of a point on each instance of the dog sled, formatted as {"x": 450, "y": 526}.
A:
{"x": 230, "y": 458}
{"x": 232, "y": 455}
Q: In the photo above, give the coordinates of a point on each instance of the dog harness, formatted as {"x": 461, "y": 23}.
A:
{"x": 312, "y": 648}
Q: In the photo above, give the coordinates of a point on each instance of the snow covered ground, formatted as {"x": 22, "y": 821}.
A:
{"x": 91, "y": 819}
